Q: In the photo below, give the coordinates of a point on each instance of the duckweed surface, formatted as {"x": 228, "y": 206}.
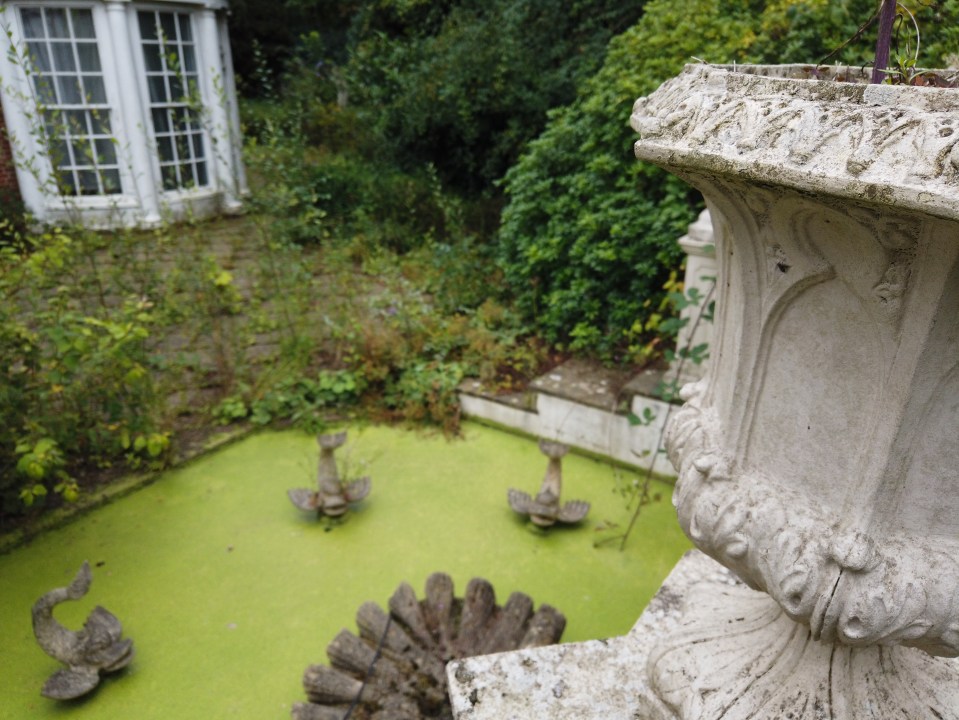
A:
{"x": 229, "y": 591}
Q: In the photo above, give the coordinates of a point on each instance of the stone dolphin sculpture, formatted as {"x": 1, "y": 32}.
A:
{"x": 97, "y": 648}
{"x": 332, "y": 496}
{"x": 544, "y": 510}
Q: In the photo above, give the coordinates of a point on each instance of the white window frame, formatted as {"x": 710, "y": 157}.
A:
{"x": 78, "y": 132}
{"x": 182, "y": 151}
{"x": 142, "y": 200}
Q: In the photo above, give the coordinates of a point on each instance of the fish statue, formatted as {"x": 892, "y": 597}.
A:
{"x": 545, "y": 510}
{"x": 332, "y": 496}
{"x": 97, "y": 648}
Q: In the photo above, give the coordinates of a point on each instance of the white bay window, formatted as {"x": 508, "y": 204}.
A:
{"x": 112, "y": 112}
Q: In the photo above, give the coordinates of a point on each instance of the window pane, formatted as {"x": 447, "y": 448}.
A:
{"x": 59, "y": 154}
{"x": 168, "y": 173}
{"x": 173, "y": 87}
{"x": 165, "y": 148}
{"x": 100, "y": 122}
{"x": 69, "y": 90}
{"x": 89, "y": 57}
{"x": 73, "y": 99}
{"x": 83, "y": 24}
{"x": 157, "y": 89}
{"x": 183, "y": 147}
{"x": 82, "y": 153}
{"x": 201, "y": 174}
{"x": 39, "y": 56}
{"x": 88, "y": 182}
{"x": 63, "y": 57}
{"x": 94, "y": 91}
{"x": 167, "y": 26}
{"x": 57, "y": 23}
{"x": 161, "y": 123}
{"x": 111, "y": 181}
{"x": 53, "y": 123}
{"x": 32, "y": 22}
{"x": 76, "y": 121}
{"x": 66, "y": 183}
{"x": 153, "y": 58}
{"x": 44, "y": 90}
{"x": 106, "y": 152}
{"x": 186, "y": 176}
{"x": 148, "y": 30}
{"x": 186, "y": 32}
{"x": 189, "y": 59}
{"x": 179, "y": 118}
{"x": 176, "y": 89}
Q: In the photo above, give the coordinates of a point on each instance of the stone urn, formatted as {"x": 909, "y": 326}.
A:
{"x": 818, "y": 458}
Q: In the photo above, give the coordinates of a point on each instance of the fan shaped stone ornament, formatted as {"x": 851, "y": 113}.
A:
{"x": 332, "y": 496}
{"x": 396, "y": 668}
{"x": 97, "y": 648}
{"x": 817, "y": 459}
{"x": 545, "y": 510}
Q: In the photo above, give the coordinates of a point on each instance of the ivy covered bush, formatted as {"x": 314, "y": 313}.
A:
{"x": 588, "y": 235}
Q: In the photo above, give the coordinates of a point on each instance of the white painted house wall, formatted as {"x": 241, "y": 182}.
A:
{"x": 49, "y": 65}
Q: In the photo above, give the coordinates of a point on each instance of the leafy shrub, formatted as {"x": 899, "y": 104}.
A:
{"x": 300, "y": 400}
{"x": 588, "y": 233}
{"x": 75, "y": 384}
{"x": 426, "y": 391}
{"x": 13, "y": 219}
{"x": 587, "y": 239}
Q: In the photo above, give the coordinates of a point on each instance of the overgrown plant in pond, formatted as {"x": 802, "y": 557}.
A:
{"x": 333, "y": 494}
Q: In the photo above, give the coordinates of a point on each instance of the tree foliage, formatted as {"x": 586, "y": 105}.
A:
{"x": 464, "y": 84}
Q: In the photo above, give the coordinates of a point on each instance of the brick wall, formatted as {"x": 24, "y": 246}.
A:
{"x": 9, "y": 189}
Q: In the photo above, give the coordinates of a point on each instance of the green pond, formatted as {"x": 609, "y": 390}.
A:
{"x": 229, "y": 592}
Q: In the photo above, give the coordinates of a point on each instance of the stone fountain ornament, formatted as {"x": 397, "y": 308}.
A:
{"x": 545, "y": 510}
{"x": 396, "y": 667}
{"x": 818, "y": 459}
{"x": 97, "y": 648}
{"x": 333, "y": 496}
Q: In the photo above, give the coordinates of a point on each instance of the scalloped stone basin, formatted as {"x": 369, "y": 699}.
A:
{"x": 817, "y": 458}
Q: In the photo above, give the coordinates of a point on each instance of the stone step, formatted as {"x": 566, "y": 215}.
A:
{"x": 585, "y": 405}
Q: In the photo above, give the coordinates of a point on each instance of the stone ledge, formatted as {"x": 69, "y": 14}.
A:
{"x": 583, "y": 405}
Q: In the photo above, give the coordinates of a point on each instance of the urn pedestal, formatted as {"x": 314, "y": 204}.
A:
{"x": 818, "y": 458}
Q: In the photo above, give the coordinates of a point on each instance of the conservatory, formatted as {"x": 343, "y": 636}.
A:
{"x": 119, "y": 112}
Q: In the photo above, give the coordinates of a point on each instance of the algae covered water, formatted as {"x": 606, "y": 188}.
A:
{"x": 229, "y": 591}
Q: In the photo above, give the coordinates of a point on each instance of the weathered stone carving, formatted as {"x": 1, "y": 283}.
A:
{"x": 817, "y": 458}
{"x": 699, "y": 668}
{"x": 878, "y": 142}
{"x": 396, "y": 668}
{"x": 97, "y": 648}
{"x": 545, "y": 509}
{"x": 332, "y": 496}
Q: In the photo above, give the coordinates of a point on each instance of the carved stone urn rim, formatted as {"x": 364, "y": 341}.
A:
{"x": 765, "y": 124}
